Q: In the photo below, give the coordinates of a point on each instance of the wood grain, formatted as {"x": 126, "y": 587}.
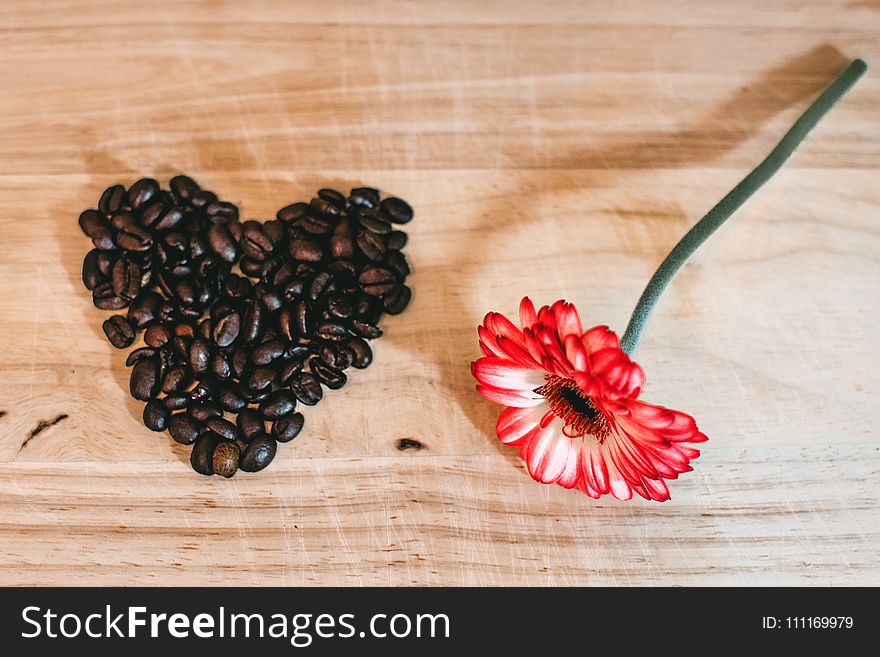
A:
{"x": 552, "y": 149}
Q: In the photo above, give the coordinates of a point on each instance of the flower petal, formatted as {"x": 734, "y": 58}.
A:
{"x": 546, "y": 453}
{"x": 513, "y": 398}
{"x": 514, "y": 424}
{"x": 504, "y": 373}
{"x": 568, "y": 322}
{"x": 598, "y": 338}
{"x": 527, "y": 314}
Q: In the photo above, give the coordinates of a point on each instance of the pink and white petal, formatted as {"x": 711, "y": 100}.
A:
{"x": 546, "y": 453}
{"x": 657, "y": 489}
{"x": 504, "y": 373}
{"x": 598, "y": 338}
{"x": 527, "y": 314}
{"x": 514, "y": 424}
{"x": 498, "y": 324}
{"x": 585, "y": 487}
{"x": 621, "y": 376}
{"x": 516, "y": 352}
{"x": 571, "y": 474}
{"x": 488, "y": 343}
{"x": 594, "y": 470}
{"x": 533, "y": 345}
{"x": 576, "y": 354}
{"x": 513, "y": 398}
{"x": 620, "y": 488}
{"x": 568, "y": 322}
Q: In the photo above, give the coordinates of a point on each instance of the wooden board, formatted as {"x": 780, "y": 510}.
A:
{"x": 555, "y": 149}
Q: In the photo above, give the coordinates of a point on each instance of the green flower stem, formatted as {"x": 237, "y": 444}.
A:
{"x": 734, "y": 199}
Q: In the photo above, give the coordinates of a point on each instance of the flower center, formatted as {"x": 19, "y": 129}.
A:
{"x": 573, "y": 407}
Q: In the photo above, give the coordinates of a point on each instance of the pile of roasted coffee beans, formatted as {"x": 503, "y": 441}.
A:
{"x": 241, "y": 319}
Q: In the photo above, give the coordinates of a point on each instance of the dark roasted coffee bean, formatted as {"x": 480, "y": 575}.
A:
{"x": 240, "y": 360}
{"x": 176, "y": 402}
{"x": 293, "y": 212}
{"x": 222, "y": 427}
{"x": 254, "y": 242}
{"x": 278, "y": 404}
{"x": 181, "y": 345}
{"x": 202, "y": 198}
{"x": 155, "y": 416}
{"x": 112, "y": 200}
{"x": 198, "y": 246}
{"x": 267, "y": 352}
{"x": 364, "y": 196}
{"x": 200, "y": 393}
{"x": 377, "y": 281}
{"x": 332, "y": 197}
{"x": 220, "y": 367}
{"x": 170, "y": 218}
{"x": 230, "y": 397}
{"x": 91, "y": 274}
{"x": 287, "y": 324}
{"x": 342, "y": 243}
{"x": 340, "y": 306}
{"x": 374, "y": 224}
{"x": 397, "y": 262}
{"x": 176, "y": 379}
{"x": 222, "y": 243}
{"x": 221, "y": 212}
{"x": 224, "y": 460}
{"x": 285, "y": 375}
{"x": 226, "y": 329}
{"x": 365, "y": 329}
{"x": 250, "y": 424}
{"x": 275, "y": 230}
{"x": 395, "y": 240}
{"x": 322, "y": 208}
{"x": 144, "y": 382}
{"x": 252, "y": 323}
{"x": 104, "y": 298}
{"x": 183, "y": 329}
{"x": 118, "y": 331}
{"x": 121, "y": 220}
{"x": 283, "y": 275}
{"x": 134, "y": 238}
{"x": 187, "y": 292}
{"x": 139, "y": 354}
{"x": 398, "y": 300}
{"x": 183, "y": 428}
{"x": 261, "y": 378}
{"x": 321, "y": 286}
{"x": 331, "y": 331}
{"x": 338, "y": 356}
{"x": 371, "y": 245}
{"x": 142, "y": 192}
{"x": 363, "y": 355}
{"x": 144, "y": 309}
{"x": 204, "y": 411}
{"x": 151, "y": 214}
{"x": 305, "y": 250}
{"x": 103, "y": 239}
{"x": 303, "y": 316}
{"x": 287, "y": 428}
{"x": 251, "y": 267}
{"x": 199, "y": 357}
{"x": 396, "y": 210}
{"x": 202, "y": 455}
{"x": 237, "y": 287}
{"x": 258, "y": 454}
{"x": 306, "y": 388}
{"x": 329, "y": 376}
{"x": 92, "y": 223}
{"x": 183, "y": 187}
{"x": 126, "y": 278}
{"x": 157, "y": 335}
{"x": 293, "y": 289}
{"x": 270, "y": 299}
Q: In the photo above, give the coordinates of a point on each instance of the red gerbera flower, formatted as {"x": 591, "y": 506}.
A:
{"x": 573, "y": 409}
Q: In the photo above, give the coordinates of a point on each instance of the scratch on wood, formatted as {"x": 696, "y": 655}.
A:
{"x": 408, "y": 443}
{"x": 2, "y": 413}
{"x": 42, "y": 425}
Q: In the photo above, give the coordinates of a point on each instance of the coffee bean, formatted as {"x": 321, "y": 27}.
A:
{"x": 126, "y": 278}
{"x": 287, "y": 428}
{"x": 222, "y": 243}
{"x": 103, "y": 239}
{"x": 342, "y": 244}
{"x": 92, "y": 223}
{"x": 278, "y": 404}
{"x": 397, "y": 210}
{"x": 292, "y": 213}
{"x": 224, "y": 460}
{"x": 221, "y": 427}
{"x": 306, "y": 388}
{"x": 104, "y": 298}
{"x": 331, "y": 331}
{"x": 200, "y": 393}
{"x": 303, "y": 316}
{"x": 220, "y": 367}
{"x": 150, "y": 214}
{"x": 288, "y": 370}
{"x": 169, "y": 219}
{"x": 398, "y": 300}
{"x": 157, "y": 335}
{"x": 199, "y": 357}
{"x": 320, "y": 286}
{"x": 143, "y": 191}
{"x": 340, "y": 306}
{"x": 395, "y": 240}
{"x": 118, "y": 331}
{"x": 176, "y": 379}
{"x": 365, "y": 329}
{"x": 258, "y": 454}
{"x": 374, "y": 224}
{"x": 226, "y": 329}
{"x": 134, "y": 238}
{"x": 183, "y": 187}
{"x": 364, "y": 196}
{"x": 112, "y": 200}
{"x": 144, "y": 309}
{"x": 254, "y": 242}
{"x": 267, "y": 352}
{"x": 91, "y": 275}
{"x": 230, "y": 397}
{"x": 144, "y": 382}
{"x": 377, "y": 281}
{"x": 201, "y": 457}
{"x": 221, "y": 212}
{"x": 363, "y": 355}
{"x": 183, "y": 428}
{"x": 261, "y": 378}
{"x": 371, "y": 245}
{"x": 398, "y": 264}
{"x": 329, "y": 376}
{"x": 204, "y": 411}
{"x": 176, "y": 402}
{"x": 305, "y": 250}
{"x": 251, "y": 267}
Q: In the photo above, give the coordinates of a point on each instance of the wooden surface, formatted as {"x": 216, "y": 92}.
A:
{"x": 550, "y": 149}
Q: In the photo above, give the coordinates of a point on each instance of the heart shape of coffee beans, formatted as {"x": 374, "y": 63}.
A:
{"x": 241, "y": 318}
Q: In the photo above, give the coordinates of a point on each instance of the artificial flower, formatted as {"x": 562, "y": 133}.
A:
{"x": 573, "y": 408}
